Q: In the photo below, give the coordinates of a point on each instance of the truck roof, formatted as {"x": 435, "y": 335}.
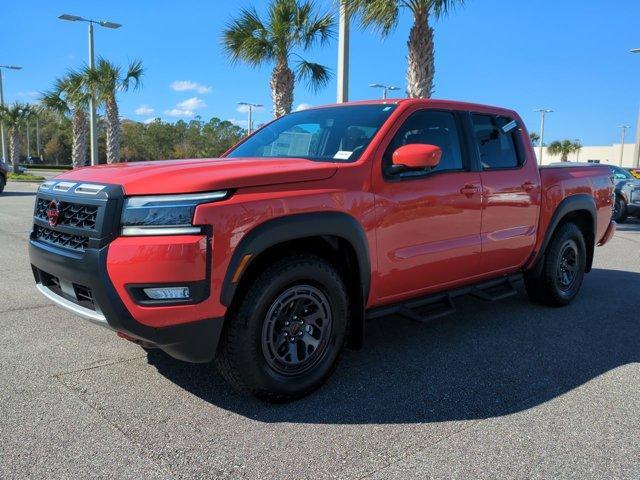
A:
{"x": 433, "y": 102}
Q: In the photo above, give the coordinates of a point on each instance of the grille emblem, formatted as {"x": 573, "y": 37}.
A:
{"x": 54, "y": 214}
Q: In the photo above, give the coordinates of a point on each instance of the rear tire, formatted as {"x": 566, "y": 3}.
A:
{"x": 562, "y": 272}
{"x": 284, "y": 338}
{"x": 620, "y": 212}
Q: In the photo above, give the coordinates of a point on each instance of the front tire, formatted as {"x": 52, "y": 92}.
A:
{"x": 3, "y": 182}
{"x": 284, "y": 338}
{"x": 563, "y": 268}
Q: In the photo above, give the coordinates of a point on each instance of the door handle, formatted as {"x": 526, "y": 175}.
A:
{"x": 470, "y": 189}
{"x": 528, "y": 186}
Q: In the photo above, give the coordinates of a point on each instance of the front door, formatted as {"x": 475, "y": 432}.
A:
{"x": 430, "y": 220}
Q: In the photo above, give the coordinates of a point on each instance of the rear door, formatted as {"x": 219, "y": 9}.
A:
{"x": 511, "y": 191}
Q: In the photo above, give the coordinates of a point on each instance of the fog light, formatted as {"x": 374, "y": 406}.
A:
{"x": 167, "y": 293}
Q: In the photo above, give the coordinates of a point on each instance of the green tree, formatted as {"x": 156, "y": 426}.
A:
{"x": 384, "y": 14}
{"x": 106, "y": 80}
{"x": 534, "y": 137}
{"x": 290, "y": 25}
{"x": 564, "y": 148}
{"x": 13, "y": 117}
{"x": 69, "y": 97}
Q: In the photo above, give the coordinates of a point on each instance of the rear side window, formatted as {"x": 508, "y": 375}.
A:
{"x": 497, "y": 139}
{"x": 430, "y": 127}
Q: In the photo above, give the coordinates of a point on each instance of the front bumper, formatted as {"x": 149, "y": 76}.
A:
{"x": 80, "y": 283}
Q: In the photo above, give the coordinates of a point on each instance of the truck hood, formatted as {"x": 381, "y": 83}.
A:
{"x": 188, "y": 176}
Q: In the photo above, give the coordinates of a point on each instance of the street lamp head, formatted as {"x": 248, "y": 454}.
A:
{"x": 11, "y": 67}
{"x": 635, "y": 50}
{"x": 544, "y": 110}
{"x": 109, "y": 24}
{"x": 393, "y": 88}
{"x": 376, "y": 85}
{"x": 71, "y": 18}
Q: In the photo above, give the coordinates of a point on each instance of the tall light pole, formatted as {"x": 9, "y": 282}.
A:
{"x": 636, "y": 151}
{"x": 93, "y": 127}
{"x": 384, "y": 88}
{"x": 624, "y": 133}
{"x": 3, "y": 139}
{"x": 578, "y": 143}
{"x": 343, "y": 54}
{"x": 250, "y": 107}
{"x": 543, "y": 112}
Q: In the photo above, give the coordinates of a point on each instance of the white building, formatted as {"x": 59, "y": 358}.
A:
{"x": 605, "y": 154}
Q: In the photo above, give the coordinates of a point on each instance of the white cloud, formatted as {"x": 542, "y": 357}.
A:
{"x": 193, "y": 103}
{"x": 245, "y": 108}
{"x": 30, "y": 93}
{"x": 240, "y": 123}
{"x": 144, "y": 110}
{"x": 186, "y": 108}
{"x": 303, "y": 106}
{"x": 179, "y": 112}
{"x": 149, "y": 120}
{"x": 187, "y": 85}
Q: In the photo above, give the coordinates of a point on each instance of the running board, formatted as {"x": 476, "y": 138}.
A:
{"x": 431, "y": 307}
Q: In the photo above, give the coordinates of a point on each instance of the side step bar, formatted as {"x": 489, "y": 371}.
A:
{"x": 431, "y": 307}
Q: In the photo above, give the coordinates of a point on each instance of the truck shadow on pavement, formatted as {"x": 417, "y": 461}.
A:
{"x": 486, "y": 360}
{"x": 17, "y": 194}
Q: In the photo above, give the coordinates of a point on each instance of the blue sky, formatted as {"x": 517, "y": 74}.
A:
{"x": 570, "y": 55}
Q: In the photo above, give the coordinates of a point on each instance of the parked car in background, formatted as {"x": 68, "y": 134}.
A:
{"x": 9, "y": 168}
{"x": 3, "y": 176}
{"x": 627, "y": 194}
{"x": 627, "y": 190}
{"x": 270, "y": 259}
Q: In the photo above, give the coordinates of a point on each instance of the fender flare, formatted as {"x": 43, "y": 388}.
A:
{"x": 295, "y": 227}
{"x": 573, "y": 203}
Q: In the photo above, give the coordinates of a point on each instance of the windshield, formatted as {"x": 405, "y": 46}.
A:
{"x": 621, "y": 173}
{"x": 336, "y": 134}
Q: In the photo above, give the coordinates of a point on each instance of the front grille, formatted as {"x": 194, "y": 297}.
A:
{"x": 71, "y": 214}
{"x": 60, "y": 239}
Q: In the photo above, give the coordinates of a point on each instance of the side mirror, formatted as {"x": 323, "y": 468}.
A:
{"x": 415, "y": 156}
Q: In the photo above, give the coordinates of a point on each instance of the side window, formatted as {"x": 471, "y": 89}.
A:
{"x": 497, "y": 141}
{"x": 430, "y": 127}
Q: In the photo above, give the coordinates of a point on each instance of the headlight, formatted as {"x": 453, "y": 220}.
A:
{"x": 164, "y": 214}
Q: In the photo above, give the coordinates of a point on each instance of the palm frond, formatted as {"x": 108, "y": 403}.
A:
{"x": 246, "y": 38}
{"x": 133, "y": 77}
{"x": 316, "y": 75}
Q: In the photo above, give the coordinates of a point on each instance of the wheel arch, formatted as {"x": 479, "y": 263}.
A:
{"x": 335, "y": 236}
{"x": 581, "y": 210}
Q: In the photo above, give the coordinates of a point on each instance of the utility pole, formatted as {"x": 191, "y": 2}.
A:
{"x": 250, "y": 107}
{"x": 384, "y": 88}
{"x": 543, "y": 112}
{"x": 636, "y": 151}
{"x": 28, "y": 141}
{"x": 624, "y": 132}
{"x": 38, "y": 138}
{"x": 93, "y": 122}
{"x": 343, "y": 54}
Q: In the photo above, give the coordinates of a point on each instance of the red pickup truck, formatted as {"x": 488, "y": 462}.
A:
{"x": 270, "y": 259}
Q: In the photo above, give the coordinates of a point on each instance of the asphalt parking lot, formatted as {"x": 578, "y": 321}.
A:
{"x": 505, "y": 390}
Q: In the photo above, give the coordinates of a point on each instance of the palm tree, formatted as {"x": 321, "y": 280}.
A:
{"x": 13, "y": 117}
{"x": 290, "y": 25}
{"x": 563, "y": 148}
{"x": 535, "y": 138}
{"x": 106, "y": 80}
{"x": 383, "y": 15}
{"x": 68, "y": 96}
